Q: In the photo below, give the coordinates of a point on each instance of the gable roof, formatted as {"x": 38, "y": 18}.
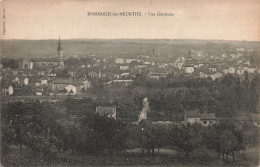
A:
{"x": 204, "y": 116}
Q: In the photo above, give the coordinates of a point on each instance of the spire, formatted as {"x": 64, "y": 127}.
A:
{"x": 59, "y": 46}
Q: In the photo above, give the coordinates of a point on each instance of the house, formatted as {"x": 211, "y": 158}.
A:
{"x": 251, "y": 70}
{"x": 94, "y": 74}
{"x": 16, "y": 80}
{"x": 74, "y": 88}
{"x": 71, "y": 89}
{"x": 215, "y": 76}
{"x": 157, "y": 75}
{"x": 189, "y": 69}
{"x": 72, "y": 71}
{"x": 195, "y": 116}
{"x": 240, "y": 71}
{"x": 7, "y": 89}
{"x": 124, "y": 67}
{"x": 26, "y": 81}
{"x": 44, "y": 81}
{"x": 207, "y": 119}
{"x": 213, "y": 69}
{"x": 179, "y": 65}
{"x": 109, "y": 111}
{"x": 39, "y": 91}
{"x": 232, "y": 70}
{"x": 125, "y": 82}
{"x": 225, "y": 71}
{"x": 87, "y": 84}
{"x": 192, "y": 116}
{"x": 60, "y": 84}
{"x": 130, "y": 60}
{"x": 119, "y": 61}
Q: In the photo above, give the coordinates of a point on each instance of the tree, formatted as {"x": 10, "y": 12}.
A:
{"x": 187, "y": 138}
{"x": 228, "y": 143}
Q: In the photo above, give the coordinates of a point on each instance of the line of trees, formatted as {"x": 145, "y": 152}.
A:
{"x": 50, "y": 132}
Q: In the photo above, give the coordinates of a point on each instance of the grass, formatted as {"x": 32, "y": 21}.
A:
{"x": 25, "y": 157}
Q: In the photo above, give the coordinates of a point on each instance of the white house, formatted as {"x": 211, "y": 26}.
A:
{"x": 26, "y": 81}
{"x": 192, "y": 116}
{"x": 179, "y": 65}
{"x": 39, "y": 91}
{"x": 215, "y": 76}
{"x": 119, "y": 61}
{"x": 124, "y": 67}
{"x": 44, "y": 81}
{"x": 207, "y": 119}
{"x": 195, "y": 116}
{"x": 7, "y": 89}
{"x": 225, "y": 71}
{"x": 71, "y": 89}
{"x": 87, "y": 84}
{"x": 232, "y": 70}
{"x": 213, "y": 69}
{"x": 240, "y": 71}
{"x": 189, "y": 69}
{"x": 251, "y": 70}
{"x": 130, "y": 60}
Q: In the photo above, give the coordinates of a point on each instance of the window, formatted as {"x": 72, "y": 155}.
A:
{"x": 204, "y": 122}
{"x": 210, "y": 122}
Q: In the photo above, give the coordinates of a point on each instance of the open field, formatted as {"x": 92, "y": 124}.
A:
{"x": 166, "y": 157}
{"x": 114, "y": 47}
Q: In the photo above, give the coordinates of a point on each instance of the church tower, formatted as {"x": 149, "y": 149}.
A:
{"x": 59, "y": 49}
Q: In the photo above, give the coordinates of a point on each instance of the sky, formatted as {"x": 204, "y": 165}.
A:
{"x": 193, "y": 19}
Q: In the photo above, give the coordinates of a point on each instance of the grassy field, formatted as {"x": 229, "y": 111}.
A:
{"x": 130, "y": 158}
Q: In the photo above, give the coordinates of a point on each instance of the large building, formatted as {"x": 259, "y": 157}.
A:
{"x": 34, "y": 63}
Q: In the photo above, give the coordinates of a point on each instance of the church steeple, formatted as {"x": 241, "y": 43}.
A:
{"x": 59, "y": 49}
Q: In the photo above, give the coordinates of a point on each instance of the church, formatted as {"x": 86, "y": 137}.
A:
{"x": 37, "y": 63}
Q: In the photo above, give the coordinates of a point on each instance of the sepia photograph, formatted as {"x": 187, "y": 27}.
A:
{"x": 129, "y": 83}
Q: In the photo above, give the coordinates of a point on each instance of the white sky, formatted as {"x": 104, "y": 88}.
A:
{"x": 199, "y": 19}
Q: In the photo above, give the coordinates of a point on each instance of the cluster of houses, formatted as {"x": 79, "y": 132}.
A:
{"x": 52, "y": 76}
{"x": 189, "y": 117}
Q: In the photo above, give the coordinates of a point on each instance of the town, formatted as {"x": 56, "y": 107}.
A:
{"x": 154, "y": 99}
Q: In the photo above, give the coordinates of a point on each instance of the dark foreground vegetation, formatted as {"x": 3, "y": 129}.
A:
{"x": 72, "y": 133}
{"x": 43, "y": 136}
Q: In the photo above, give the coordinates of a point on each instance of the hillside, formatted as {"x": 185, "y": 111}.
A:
{"x": 114, "y": 47}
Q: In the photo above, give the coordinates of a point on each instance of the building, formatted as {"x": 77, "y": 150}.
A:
{"x": 215, "y": 76}
{"x": 189, "y": 69}
{"x": 7, "y": 89}
{"x": 94, "y": 74}
{"x": 240, "y": 71}
{"x": 109, "y": 111}
{"x": 39, "y": 91}
{"x": 207, "y": 119}
{"x": 124, "y": 67}
{"x": 157, "y": 75}
{"x": 119, "y": 61}
{"x": 192, "y": 116}
{"x": 213, "y": 69}
{"x": 60, "y": 84}
{"x": 40, "y": 63}
{"x": 26, "y": 81}
{"x": 231, "y": 70}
